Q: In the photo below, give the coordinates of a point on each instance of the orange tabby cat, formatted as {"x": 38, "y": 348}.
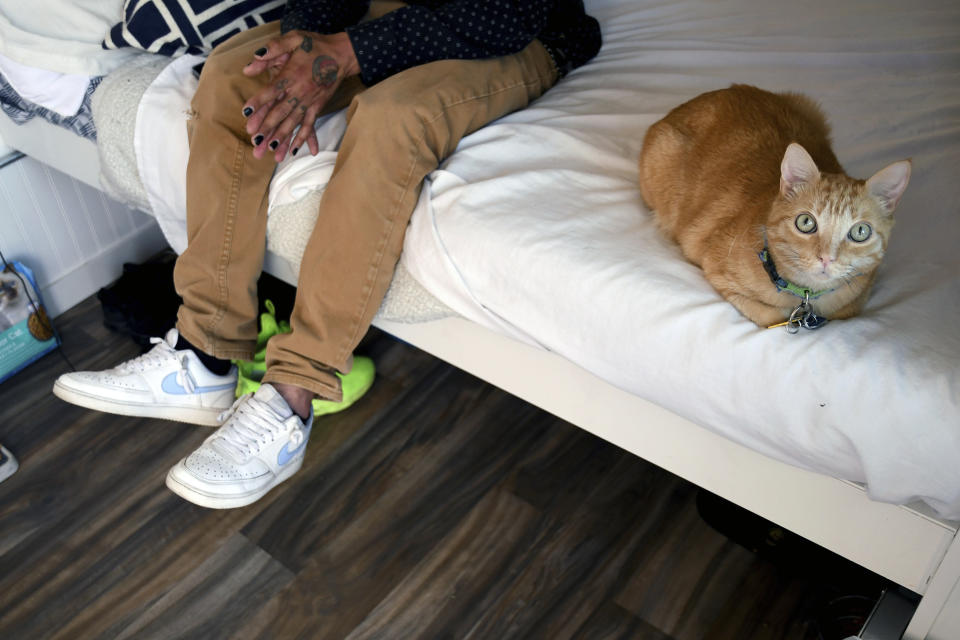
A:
{"x": 745, "y": 181}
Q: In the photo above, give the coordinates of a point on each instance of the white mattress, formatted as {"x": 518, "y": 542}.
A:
{"x": 535, "y": 228}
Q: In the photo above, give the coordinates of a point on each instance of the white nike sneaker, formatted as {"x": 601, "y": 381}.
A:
{"x": 8, "y": 464}
{"x": 162, "y": 383}
{"x": 261, "y": 444}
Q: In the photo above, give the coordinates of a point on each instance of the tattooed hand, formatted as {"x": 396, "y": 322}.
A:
{"x": 305, "y": 69}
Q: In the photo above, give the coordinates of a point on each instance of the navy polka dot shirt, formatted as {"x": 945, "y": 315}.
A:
{"x": 428, "y": 30}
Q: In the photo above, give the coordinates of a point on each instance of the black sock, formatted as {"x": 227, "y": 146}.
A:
{"x": 216, "y": 366}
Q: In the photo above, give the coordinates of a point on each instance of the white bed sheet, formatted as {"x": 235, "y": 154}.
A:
{"x": 61, "y": 93}
{"x": 535, "y": 228}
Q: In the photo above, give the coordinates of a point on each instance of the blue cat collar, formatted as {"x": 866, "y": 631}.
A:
{"x": 781, "y": 283}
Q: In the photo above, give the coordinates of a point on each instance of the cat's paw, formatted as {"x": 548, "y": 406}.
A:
{"x": 762, "y": 314}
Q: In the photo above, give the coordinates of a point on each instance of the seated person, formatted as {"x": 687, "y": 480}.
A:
{"x": 415, "y": 80}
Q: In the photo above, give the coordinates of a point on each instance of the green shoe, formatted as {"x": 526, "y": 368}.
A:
{"x": 355, "y": 384}
{"x": 251, "y": 371}
{"x": 269, "y": 327}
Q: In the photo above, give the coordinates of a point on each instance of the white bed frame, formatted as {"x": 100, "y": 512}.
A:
{"x": 905, "y": 544}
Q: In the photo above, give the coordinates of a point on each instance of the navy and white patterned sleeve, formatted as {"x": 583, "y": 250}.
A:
{"x": 462, "y": 29}
{"x": 322, "y": 16}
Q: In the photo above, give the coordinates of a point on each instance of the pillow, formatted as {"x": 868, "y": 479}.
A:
{"x": 61, "y": 35}
{"x": 175, "y": 27}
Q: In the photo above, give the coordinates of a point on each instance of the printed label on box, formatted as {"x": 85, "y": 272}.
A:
{"x": 25, "y": 330}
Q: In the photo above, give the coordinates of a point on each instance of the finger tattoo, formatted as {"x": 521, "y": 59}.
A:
{"x": 307, "y": 43}
{"x": 325, "y": 71}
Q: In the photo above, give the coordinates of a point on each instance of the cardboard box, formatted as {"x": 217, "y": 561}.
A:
{"x": 26, "y": 332}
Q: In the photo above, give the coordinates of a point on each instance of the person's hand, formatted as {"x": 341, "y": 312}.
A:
{"x": 305, "y": 69}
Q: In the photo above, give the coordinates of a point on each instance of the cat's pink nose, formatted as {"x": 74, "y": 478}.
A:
{"x": 826, "y": 262}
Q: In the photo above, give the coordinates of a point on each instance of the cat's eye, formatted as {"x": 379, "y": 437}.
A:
{"x": 860, "y": 232}
{"x": 805, "y": 223}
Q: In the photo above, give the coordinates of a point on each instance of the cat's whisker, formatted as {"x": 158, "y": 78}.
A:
{"x": 848, "y": 280}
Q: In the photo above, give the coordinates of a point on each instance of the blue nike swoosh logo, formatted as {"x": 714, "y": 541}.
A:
{"x": 172, "y": 386}
{"x": 285, "y": 456}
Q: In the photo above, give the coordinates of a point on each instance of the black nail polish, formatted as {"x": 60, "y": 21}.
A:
{"x": 259, "y": 52}
{"x": 257, "y": 139}
{"x": 274, "y": 144}
{"x": 247, "y": 112}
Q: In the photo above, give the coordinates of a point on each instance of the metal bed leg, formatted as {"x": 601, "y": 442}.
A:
{"x": 890, "y": 616}
{"x": 938, "y": 615}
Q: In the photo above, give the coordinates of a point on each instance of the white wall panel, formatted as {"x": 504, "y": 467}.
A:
{"x": 122, "y": 215}
{"x": 74, "y": 237}
{"x": 81, "y": 227}
{"x": 47, "y": 213}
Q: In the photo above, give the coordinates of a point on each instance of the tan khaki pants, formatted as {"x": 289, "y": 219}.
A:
{"x": 398, "y": 131}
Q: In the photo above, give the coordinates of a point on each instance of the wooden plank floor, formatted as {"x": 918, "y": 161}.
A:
{"x": 438, "y": 507}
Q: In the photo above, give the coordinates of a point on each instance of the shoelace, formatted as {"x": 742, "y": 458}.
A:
{"x": 248, "y": 425}
{"x": 159, "y": 355}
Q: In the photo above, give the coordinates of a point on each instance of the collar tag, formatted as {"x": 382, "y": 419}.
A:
{"x": 802, "y": 316}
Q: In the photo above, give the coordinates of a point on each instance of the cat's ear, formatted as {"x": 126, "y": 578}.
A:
{"x": 797, "y": 168}
{"x": 887, "y": 185}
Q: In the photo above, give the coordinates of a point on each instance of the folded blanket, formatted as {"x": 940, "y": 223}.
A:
{"x": 115, "y": 106}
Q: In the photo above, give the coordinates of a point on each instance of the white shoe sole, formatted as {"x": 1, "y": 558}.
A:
{"x": 212, "y": 501}
{"x": 10, "y": 467}
{"x": 194, "y": 415}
